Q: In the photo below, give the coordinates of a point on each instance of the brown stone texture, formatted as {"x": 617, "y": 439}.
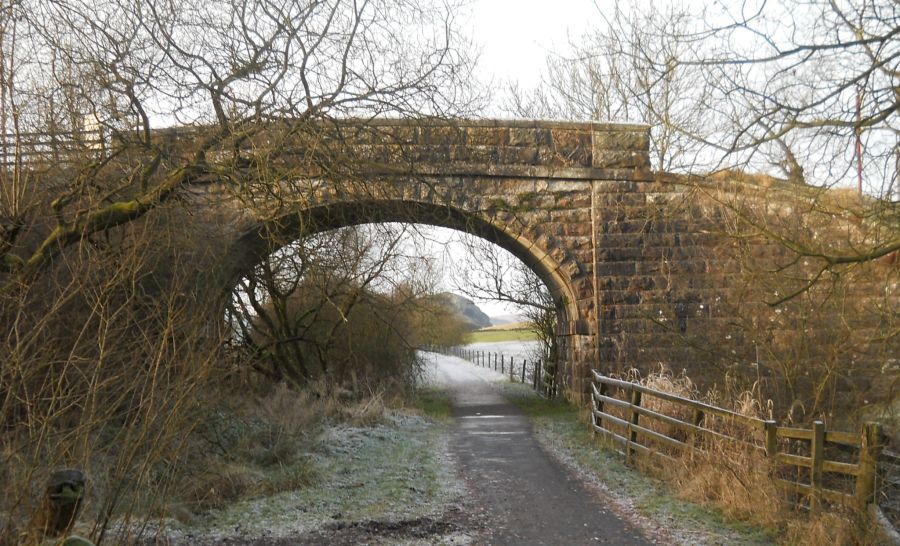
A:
{"x": 638, "y": 265}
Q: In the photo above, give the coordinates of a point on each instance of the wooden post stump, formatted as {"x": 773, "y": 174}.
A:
{"x": 62, "y": 500}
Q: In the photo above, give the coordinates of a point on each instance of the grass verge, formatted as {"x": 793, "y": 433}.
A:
{"x": 493, "y": 336}
{"x": 562, "y": 430}
{"x": 433, "y": 403}
{"x": 393, "y": 470}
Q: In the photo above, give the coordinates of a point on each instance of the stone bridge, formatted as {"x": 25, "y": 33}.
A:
{"x": 555, "y": 194}
{"x": 645, "y": 268}
{"x": 640, "y": 264}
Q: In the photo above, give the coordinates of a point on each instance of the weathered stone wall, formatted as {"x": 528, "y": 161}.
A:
{"x": 685, "y": 282}
{"x": 524, "y": 185}
{"x": 643, "y": 268}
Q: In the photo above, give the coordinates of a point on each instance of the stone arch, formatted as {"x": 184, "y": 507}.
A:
{"x": 266, "y": 237}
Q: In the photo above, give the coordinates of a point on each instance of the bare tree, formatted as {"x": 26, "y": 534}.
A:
{"x": 493, "y": 275}
{"x": 113, "y": 113}
{"x": 630, "y": 69}
{"x": 233, "y": 69}
{"x": 806, "y": 91}
{"x": 331, "y": 306}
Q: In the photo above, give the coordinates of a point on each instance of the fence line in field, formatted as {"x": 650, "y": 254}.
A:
{"x": 520, "y": 370}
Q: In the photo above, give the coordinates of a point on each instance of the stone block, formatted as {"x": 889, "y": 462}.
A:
{"x": 572, "y": 200}
{"x": 567, "y": 140}
{"x": 619, "y": 159}
{"x": 582, "y": 245}
{"x": 571, "y": 268}
{"x": 558, "y": 253}
{"x": 616, "y": 269}
{"x": 518, "y": 156}
{"x": 442, "y": 135}
{"x": 614, "y": 186}
{"x": 487, "y": 136}
{"x": 621, "y": 140}
{"x": 532, "y": 137}
{"x": 578, "y": 229}
{"x": 619, "y": 254}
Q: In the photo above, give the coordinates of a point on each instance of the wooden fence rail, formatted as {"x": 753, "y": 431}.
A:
{"x": 815, "y": 464}
{"x": 37, "y": 149}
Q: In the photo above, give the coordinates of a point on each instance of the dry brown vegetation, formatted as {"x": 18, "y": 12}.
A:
{"x": 734, "y": 475}
{"x": 121, "y": 366}
{"x": 113, "y": 346}
{"x": 104, "y": 372}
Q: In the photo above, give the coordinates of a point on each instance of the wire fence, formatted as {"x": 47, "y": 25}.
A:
{"x": 539, "y": 373}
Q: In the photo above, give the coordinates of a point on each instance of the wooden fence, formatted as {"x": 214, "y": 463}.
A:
{"x": 37, "y": 149}
{"x": 531, "y": 372}
{"x": 813, "y": 466}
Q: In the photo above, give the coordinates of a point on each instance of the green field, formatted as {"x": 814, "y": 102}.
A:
{"x": 490, "y": 336}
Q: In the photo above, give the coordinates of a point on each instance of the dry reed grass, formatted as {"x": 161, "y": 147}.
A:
{"x": 258, "y": 444}
{"x": 735, "y": 476}
{"x": 111, "y": 362}
{"x": 115, "y": 363}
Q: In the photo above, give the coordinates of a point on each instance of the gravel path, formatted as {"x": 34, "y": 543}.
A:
{"x": 525, "y": 496}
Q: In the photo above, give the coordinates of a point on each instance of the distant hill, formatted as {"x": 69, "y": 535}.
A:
{"x": 476, "y": 318}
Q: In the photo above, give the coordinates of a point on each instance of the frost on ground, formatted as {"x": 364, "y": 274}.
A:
{"x": 390, "y": 482}
{"x": 447, "y": 374}
{"x": 646, "y": 502}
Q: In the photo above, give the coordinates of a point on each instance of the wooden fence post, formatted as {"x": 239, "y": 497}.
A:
{"x": 63, "y": 496}
{"x": 817, "y": 453}
{"x": 502, "y": 363}
{"x": 599, "y": 406}
{"x": 771, "y": 429}
{"x": 523, "y": 370}
{"x": 635, "y": 416}
{"x": 871, "y": 443}
{"x": 696, "y": 420}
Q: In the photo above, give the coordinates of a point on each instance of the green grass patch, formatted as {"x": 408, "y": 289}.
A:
{"x": 537, "y": 407}
{"x": 433, "y": 403}
{"x": 492, "y": 336}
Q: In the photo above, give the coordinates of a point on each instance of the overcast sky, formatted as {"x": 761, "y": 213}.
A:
{"x": 515, "y": 36}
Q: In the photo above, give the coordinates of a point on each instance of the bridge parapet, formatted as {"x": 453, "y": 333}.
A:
{"x": 494, "y": 148}
{"x": 544, "y": 149}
